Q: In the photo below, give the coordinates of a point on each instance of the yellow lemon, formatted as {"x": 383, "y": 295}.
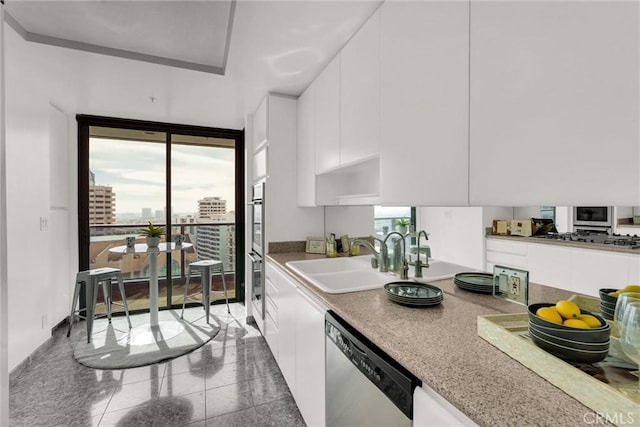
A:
{"x": 614, "y": 294}
{"x": 590, "y": 320}
{"x": 567, "y": 309}
{"x": 630, "y": 288}
{"x": 576, "y": 323}
{"x": 550, "y": 314}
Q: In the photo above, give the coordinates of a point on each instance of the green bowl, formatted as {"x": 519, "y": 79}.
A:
{"x": 605, "y": 297}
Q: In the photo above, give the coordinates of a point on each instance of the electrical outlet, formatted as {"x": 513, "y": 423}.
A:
{"x": 514, "y": 285}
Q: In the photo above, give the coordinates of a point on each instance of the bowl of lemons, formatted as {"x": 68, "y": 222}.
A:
{"x": 568, "y": 332}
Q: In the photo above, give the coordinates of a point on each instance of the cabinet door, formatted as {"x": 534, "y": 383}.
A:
{"x": 432, "y": 410}
{"x": 360, "y": 94}
{"x": 549, "y": 265}
{"x": 592, "y": 270}
{"x": 305, "y": 154}
{"x": 287, "y": 328}
{"x": 310, "y": 369}
{"x": 327, "y": 117}
{"x": 424, "y": 103}
{"x": 553, "y": 100}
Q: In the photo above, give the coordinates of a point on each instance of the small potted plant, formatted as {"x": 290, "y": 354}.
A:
{"x": 403, "y": 225}
{"x": 152, "y": 234}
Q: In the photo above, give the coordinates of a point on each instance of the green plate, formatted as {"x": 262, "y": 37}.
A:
{"x": 482, "y": 279}
{"x": 413, "y": 291}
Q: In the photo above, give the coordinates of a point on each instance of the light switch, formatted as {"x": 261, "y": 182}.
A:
{"x": 44, "y": 223}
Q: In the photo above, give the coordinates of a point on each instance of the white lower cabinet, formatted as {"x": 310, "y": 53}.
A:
{"x": 432, "y": 410}
{"x": 301, "y": 342}
{"x": 271, "y": 329}
{"x": 310, "y": 369}
{"x": 549, "y": 265}
{"x": 580, "y": 270}
{"x": 508, "y": 254}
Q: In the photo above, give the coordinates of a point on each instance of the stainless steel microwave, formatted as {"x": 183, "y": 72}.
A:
{"x": 598, "y": 216}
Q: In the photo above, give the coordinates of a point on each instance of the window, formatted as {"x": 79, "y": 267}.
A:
{"x": 187, "y": 179}
{"x": 385, "y": 218}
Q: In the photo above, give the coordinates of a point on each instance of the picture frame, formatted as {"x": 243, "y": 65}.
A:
{"x": 316, "y": 245}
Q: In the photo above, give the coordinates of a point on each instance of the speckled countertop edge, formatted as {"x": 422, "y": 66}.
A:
{"x": 581, "y": 245}
{"x": 441, "y": 346}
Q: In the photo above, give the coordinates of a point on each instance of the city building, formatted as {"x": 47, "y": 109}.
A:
{"x": 210, "y": 207}
{"x": 102, "y": 203}
{"x": 216, "y": 241}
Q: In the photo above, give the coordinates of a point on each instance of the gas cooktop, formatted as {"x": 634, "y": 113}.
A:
{"x": 629, "y": 241}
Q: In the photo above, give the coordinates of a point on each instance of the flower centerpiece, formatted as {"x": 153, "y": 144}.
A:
{"x": 152, "y": 234}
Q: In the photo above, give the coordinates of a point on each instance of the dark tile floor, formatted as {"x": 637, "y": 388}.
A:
{"x": 231, "y": 381}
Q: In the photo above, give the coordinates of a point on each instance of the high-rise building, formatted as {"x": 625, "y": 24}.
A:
{"x": 211, "y": 207}
{"x": 216, "y": 241}
{"x": 102, "y": 203}
{"x": 146, "y": 213}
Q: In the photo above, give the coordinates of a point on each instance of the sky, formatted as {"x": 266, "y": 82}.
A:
{"x": 136, "y": 171}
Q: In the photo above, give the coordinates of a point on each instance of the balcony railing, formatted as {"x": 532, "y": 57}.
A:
{"x": 172, "y": 267}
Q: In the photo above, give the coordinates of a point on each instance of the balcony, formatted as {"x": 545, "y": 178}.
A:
{"x": 172, "y": 267}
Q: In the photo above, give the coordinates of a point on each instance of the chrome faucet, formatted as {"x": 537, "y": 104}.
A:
{"x": 418, "y": 264}
{"x": 402, "y": 268}
{"x": 380, "y": 259}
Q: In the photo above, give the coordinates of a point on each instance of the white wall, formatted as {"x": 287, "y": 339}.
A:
{"x": 456, "y": 234}
{"x": 38, "y": 157}
{"x": 4, "y": 303}
{"x": 355, "y": 221}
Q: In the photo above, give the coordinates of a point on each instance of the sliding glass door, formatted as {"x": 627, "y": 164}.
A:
{"x": 187, "y": 179}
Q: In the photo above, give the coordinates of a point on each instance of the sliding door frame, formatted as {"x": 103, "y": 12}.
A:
{"x": 84, "y": 124}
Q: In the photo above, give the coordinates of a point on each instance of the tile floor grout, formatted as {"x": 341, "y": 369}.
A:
{"x": 247, "y": 387}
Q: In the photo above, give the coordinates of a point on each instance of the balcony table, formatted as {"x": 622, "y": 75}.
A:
{"x": 154, "y": 330}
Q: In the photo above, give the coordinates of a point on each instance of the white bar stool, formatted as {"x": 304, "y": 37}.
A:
{"x": 92, "y": 279}
{"x": 207, "y": 268}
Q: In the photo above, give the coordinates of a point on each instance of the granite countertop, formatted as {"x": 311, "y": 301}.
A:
{"x": 581, "y": 245}
{"x": 441, "y": 346}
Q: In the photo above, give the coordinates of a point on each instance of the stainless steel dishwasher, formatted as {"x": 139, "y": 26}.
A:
{"x": 364, "y": 386}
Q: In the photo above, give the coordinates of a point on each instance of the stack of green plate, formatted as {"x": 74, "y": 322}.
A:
{"x": 413, "y": 294}
{"x": 476, "y": 282}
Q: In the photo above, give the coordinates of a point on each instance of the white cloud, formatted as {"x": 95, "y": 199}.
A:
{"x": 136, "y": 171}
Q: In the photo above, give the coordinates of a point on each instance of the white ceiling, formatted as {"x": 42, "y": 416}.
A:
{"x": 165, "y": 60}
{"x": 186, "y": 34}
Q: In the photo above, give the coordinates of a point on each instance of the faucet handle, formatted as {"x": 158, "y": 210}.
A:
{"x": 374, "y": 262}
{"x": 405, "y": 270}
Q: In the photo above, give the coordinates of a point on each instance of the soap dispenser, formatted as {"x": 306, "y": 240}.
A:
{"x": 331, "y": 246}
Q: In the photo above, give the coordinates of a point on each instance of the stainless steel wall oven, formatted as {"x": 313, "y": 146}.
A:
{"x": 256, "y": 253}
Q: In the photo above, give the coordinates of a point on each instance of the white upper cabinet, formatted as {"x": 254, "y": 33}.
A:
{"x": 305, "y": 155}
{"x": 360, "y": 94}
{"x": 327, "y": 118}
{"x": 280, "y": 199}
{"x": 424, "y": 145}
{"x": 554, "y": 116}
